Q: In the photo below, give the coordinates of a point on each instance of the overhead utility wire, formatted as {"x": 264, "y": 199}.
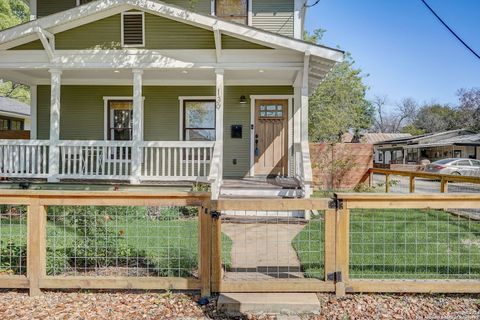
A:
{"x": 306, "y": 5}
{"x": 449, "y": 29}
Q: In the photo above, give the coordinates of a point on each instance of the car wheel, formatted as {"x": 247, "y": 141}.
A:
{"x": 455, "y": 173}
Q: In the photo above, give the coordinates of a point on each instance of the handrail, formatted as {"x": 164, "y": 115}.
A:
{"x": 215, "y": 174}
{"x": 303, "y": 166}
{"x": 433, "y": 176}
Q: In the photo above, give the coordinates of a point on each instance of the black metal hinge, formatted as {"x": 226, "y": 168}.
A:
{"x": 335, "y": 276}
{"x": 335, "y": 204}
{"x": 215, "y": 214}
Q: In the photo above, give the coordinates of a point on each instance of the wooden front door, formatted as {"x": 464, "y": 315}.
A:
{"x": 271, "y": 137}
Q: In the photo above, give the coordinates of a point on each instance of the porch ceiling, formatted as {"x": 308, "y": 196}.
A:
{"x": 154, "y": 77}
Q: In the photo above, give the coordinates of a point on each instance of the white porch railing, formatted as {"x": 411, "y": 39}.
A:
{"x": 107, "y": 160}
{"x": 303, "y": 167}
{"x": 174, "y": 160}
{"x": 216, "y": 171}
{"x": 21, "y": 158}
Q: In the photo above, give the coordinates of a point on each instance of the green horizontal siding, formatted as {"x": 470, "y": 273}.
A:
{"x": 200, "y": 6}
{"x": 82, "y": 110}
{"x": 274, "y": 16}
{"x": 47, "y": 7}
{"x": 160, "y": 33}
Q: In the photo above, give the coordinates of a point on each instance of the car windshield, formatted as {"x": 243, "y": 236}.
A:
{"x": 443, "y": 161}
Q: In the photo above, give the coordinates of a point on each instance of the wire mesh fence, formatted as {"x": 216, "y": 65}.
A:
{"x": 13, "y": 240}
{"x": 122, "y": 241}
{"x": 414, "y": 244}
{"x": 268, "y": 245}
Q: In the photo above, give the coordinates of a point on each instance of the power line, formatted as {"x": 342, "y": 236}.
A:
{"x": 306, "y": 5}
{"x": 449, "y": 29}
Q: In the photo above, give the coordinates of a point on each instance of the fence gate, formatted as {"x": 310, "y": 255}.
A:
{"x": 273, "y": 245}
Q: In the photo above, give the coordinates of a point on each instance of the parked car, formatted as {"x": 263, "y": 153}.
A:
{"x": 455, "y": 166}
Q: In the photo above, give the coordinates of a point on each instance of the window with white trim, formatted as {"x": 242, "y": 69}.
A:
{"x": 199, "y": 120}
{"x": 133, "y": 29}
{"x": 233, "y": 10}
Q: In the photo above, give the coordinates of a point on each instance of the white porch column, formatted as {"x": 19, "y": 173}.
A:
{"x": 33, "y": 9}
{"x": 54, "y": 151}
{"x": 33, "y": 112}
{"x": 219, "y": 97}
{"x": 137, "y": 136}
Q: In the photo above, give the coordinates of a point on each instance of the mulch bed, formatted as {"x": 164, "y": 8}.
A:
{"x": 147, "y": 305}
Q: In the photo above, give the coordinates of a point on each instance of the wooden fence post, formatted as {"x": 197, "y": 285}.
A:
{"x": 205, "y": 248}
{"x": 387, "y": 183}
{"x": 444, "y": 185}
{"x": 342, "y": 249}
{"x": 36, "y": 245}
{"x": 330, "y": 226}
{"x": 412, "y": 183}
{"x": 216, "y": 243}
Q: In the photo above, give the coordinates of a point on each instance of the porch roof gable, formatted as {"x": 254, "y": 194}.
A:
{"x": 96, "y": 10}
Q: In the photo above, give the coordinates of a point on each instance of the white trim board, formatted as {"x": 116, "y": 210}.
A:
{"x": 181, "y": 99}
{"x": 252, "y": 127}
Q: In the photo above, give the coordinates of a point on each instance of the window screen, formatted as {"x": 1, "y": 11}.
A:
{"x": 199, "y": 120}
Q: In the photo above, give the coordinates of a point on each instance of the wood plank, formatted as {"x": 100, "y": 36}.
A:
{"x": 216, "y": 258}
{"x": 36, "y": 245}
{"x": 271, "y": 204}
{"x": 427, "y": 175}
{"x": 414, "y": 286}
{"x": 100, "y": 201}
{"x": 342, "y": 247}
{"x": 330, "y": 239}
{"x": 142, "y": 283}
{"x": 14, "y": 282}
{"x": 205, "y": 249}
{"x": 411, "y": 188}
{"x": 304, "y": 285}
{"x": 417, "y": 196}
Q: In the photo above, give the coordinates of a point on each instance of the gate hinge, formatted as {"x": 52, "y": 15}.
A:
{"x": 215, "y": 214}
{"x": 335, "y": 276}
{"x": 335, "y": 204}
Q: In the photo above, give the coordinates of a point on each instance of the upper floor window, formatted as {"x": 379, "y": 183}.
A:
{"x": 11, "y": 124}
{"x": 133, "y": 29}
{"x": 233, "y": 10}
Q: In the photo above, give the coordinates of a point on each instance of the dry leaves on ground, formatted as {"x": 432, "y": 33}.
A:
{"x": 83, "y": 305}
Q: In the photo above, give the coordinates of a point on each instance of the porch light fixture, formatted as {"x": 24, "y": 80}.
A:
{"x": 116, "y": 71}
{"x": 243, "y": 99}
{"x": 184, "y": 71}
{"x": 261, "y": 71}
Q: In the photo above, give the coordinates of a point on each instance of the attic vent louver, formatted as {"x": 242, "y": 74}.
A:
{"x": 133, "y": 29}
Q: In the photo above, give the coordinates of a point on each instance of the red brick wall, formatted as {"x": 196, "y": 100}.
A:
{"x": 350, "y": 164}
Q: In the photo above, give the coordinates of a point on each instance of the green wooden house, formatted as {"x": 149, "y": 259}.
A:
{"x": 142, "y": 91}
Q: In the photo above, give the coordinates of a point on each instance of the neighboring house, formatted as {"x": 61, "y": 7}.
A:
{"x": 432, "y": 146}
{"x": 142, "y": 91}
{"x": 14, "y": 115}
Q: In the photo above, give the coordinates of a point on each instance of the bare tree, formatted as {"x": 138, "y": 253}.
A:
{"x": 403, "y": 113}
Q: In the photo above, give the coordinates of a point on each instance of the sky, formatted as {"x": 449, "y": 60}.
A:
{"x": 403, "y": 48}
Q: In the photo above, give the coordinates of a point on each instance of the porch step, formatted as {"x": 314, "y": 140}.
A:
{"x": 261, "y": 188}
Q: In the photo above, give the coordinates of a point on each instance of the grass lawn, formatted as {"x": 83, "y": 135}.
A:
{"x": 402, "y": 244}
{"x": 162, "y": 245}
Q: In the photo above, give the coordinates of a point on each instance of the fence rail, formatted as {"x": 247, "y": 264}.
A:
{"x": 358, "y": 242}
{"x": 397, "y": 181}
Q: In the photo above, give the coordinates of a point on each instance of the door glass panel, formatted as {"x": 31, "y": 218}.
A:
{"x": 272, "y": 111}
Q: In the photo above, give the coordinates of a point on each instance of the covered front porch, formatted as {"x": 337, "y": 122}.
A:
{"x": 148, "y": 126}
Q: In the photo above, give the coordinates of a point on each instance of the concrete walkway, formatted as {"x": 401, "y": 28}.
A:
{"x": 263, "y": 251}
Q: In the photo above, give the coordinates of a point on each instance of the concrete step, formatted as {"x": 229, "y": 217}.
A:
{"x": 270, "y": 192}
{"x": 278, "y": 303}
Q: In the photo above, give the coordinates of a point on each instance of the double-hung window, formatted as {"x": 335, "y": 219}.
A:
{"x": 233, "y": 10}
{"x": 199, "y": 120}
{"x": 120, "y": 120}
